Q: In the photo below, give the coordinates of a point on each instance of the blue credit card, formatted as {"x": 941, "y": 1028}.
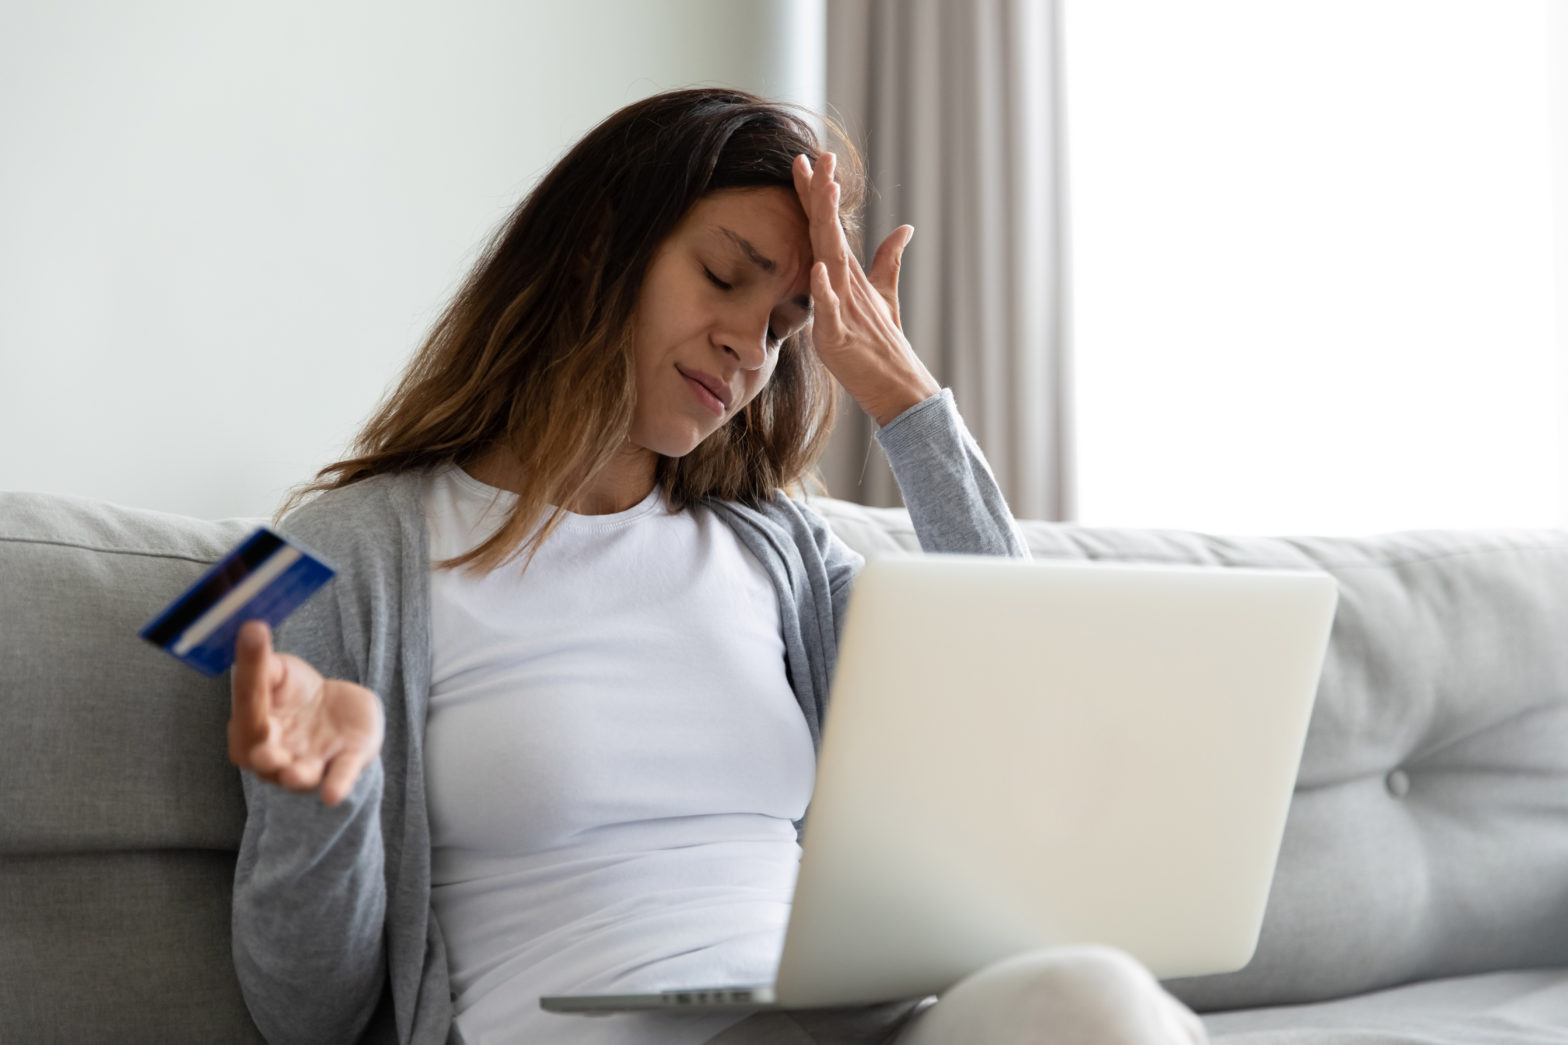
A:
{"x": 267, "y": 577}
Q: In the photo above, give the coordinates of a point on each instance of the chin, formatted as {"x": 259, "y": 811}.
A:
{"x": 676, "y": 444}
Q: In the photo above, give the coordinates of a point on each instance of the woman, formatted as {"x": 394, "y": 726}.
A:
{"x": 601, "y": 631}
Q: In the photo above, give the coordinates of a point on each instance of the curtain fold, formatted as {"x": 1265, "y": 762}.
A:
{"x": 956, "y": 107}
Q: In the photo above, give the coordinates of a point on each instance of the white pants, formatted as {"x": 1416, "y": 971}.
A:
{"x": 1058, "y": 996}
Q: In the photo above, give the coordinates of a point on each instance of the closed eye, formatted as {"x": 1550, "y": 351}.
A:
{"x": 773, "y": 339}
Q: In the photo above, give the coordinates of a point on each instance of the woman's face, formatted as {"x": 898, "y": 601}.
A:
{"x": 722, "y": 291}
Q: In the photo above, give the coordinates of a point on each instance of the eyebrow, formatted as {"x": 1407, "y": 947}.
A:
{"x": 765, "y": 263}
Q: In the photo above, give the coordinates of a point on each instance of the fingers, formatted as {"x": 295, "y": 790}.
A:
{"x": 302, "y": 774}
{"x": 344, "y": 771}
{"x": 323, "y": 734}
{"x": 819, "y": 196}
{"x": 827, "y": 324}
{"x": 334, "y": 775}
{"x": 886, "y": 264}
{"x": 256, "y": 672}
{"x": 827, "y": 234}
{"x": 801, "y": 169}
{"x": 267, "y": 759}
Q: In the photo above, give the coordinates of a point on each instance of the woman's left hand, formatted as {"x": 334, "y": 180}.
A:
{"x": 855, "y": 324}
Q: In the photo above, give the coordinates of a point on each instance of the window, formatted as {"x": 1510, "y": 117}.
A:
{"x": 1312, "y": 264}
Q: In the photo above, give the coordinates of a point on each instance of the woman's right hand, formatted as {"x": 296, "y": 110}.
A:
{"x": 290, "y": 726}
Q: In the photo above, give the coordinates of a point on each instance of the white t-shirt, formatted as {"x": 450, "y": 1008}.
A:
{"x": 614, "y": 762}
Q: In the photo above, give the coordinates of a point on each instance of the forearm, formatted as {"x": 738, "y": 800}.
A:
{"x": 953, "y": 499}
{"x": 309, "y": 907}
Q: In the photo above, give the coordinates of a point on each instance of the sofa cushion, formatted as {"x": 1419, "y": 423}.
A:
{"x": 109, "y": 742}
{"x": 1428, "y": 835}
{"x": 122, "y": 812}
{"x": 1503, "y": 1008}
{"x": 129, "y": 946}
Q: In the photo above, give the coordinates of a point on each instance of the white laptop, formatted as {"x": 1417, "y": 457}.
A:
{"x": 1026, "y": 754}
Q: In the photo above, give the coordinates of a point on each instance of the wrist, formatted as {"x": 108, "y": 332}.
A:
{"x": 886, "y": 407}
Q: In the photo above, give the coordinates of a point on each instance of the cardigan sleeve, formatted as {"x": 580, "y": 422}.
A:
{"x": 953, "y": 499}
{"x": 310, "y": 893}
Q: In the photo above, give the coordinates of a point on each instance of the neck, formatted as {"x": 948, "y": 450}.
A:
{"x": 625, "y": 481}
{"x": 621, "y": 484}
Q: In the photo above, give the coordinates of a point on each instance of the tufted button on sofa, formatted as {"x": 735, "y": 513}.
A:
{"x": 1421, "y": 892}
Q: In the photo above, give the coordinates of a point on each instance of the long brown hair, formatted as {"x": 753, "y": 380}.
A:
{"x": 535, "y": 350}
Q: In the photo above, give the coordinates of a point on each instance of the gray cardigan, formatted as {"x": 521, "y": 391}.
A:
{"x": 333, "y": 934}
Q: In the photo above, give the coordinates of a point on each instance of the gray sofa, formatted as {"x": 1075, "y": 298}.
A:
{"x": 1421, "y": 895}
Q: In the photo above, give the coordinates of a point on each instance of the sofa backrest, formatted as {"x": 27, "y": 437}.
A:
{"x": 120, "y": 815}
{"x": 1428, "y": 835}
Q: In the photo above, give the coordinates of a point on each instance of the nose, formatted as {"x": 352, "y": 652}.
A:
{"x": 748, "y": 349}
{"x": 745, "y": 338}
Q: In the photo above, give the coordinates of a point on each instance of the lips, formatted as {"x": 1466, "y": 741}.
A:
{"x": 718, "y": 389}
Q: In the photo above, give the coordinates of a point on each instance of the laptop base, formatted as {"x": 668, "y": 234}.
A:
{"x": 707, "y": 999}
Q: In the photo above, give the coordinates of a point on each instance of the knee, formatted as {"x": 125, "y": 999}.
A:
{"x": 1078, "y": 982}
{"x": 1071, "y": 995}
{"x": 1090, "y": 969}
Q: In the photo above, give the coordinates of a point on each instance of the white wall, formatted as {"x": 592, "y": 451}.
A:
{"x": 224, "y": 226}
{"x": 1557, "y": 52}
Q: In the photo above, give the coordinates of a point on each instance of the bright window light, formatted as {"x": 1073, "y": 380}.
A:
{"x": 1312, "y": 268}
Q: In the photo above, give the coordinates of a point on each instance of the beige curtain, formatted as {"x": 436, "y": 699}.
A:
{"x": 956, "y": 105}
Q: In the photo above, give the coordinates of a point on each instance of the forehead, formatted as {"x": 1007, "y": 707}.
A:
{"x": 769, "y": 218}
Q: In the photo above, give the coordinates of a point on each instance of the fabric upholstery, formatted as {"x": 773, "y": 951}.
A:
{"x": 128, "y": 946}
{"x": 121, "y": 812}
{"x": 1501, "y": 1008}
{"x": 111, "y": 747}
